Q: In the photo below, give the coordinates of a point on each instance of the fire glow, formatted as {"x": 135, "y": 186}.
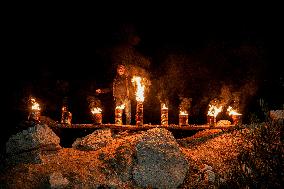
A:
{"x": 35, "y": 105}
{"x": 232, "y": 111}
{"x": 139, "y": 88}
{"x": 139, "y": 98}
{"x": 118, "y": 114}
{"x": 96, "y": 110}
{"x": 214, "y": 110}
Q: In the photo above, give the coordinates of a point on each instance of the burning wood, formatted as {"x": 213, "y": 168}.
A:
{"x": 137, "y": 81}
{"x": 118, "y": 114}
{"x": 183, "y": 118}
{"x": 236, "y": 117}
{"x": 212, "y": 114}
{"x": 94, "y": 105}
{"x": 66, "y": 116}
{"x": 183, "y": 110}
{"x": 164, "y": 114}
{"x": 97, "y": 115}
{"x": 34, "y": 110}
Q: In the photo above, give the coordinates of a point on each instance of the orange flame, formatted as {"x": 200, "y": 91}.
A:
{"x": 232, "y": 111}
{"x": 214, "y": 110}
{"x": 164, "y": 106}
{"x": 35, "y": 105}
{"x": 121, "y": 107}
{"x": 139, "y": 88}
{"x": 183, "y": 113}
{"x": 96, "y": 110}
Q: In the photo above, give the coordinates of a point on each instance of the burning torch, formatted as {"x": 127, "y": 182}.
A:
{"x": 236, "y": 117}
{"x": 118, "y": 114}
{"x": 212, "y": 114}
{"x": 34, "y": 110}
{"x": 139, "y": 98}
{"x": 164, "y": 114}
{"x": 183, "y": 118}
{"x": 97, "y": 115}
{"x": 66, "y": 116}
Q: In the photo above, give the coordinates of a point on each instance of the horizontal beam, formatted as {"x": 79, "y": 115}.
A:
{"x": 144, "y": 127}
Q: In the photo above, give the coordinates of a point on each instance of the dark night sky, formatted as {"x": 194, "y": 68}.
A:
{"x": 49, "y": 46}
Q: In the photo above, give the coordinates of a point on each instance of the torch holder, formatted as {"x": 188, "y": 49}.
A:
{"x": 164, "y": 117}
{"x": 139, "y": 114}
{"x": 211, "y": 120}
{"x": 118, "y": 116}
{"x": 97, "y": 118}
{"x": 183, "y": 120}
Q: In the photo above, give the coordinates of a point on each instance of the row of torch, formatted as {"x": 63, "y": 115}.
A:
{"x": 66, "y": 116}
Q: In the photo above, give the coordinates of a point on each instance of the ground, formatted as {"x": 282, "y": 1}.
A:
{"x": 88, "y": 169}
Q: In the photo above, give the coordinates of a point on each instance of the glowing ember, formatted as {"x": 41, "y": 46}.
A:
{"x": 96, "y": 110}
{"x": 214, "y": 110}
{"x": 139, "y": 88}
{"x": 232, "y": 111}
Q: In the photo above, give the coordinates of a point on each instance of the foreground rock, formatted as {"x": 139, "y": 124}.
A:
{"x": 160, "y": 163}
{"x": 29, "y": 145}
{"x": 94, "y": 141}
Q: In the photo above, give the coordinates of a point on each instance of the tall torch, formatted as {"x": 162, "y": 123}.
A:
{"x": 34, "y": 110}
{"x": 212, "y": 114}
{"x": 183, "y": 118}
{"x": 66, "y": 116}
{"x": 236, "y": 117}
{"x": 118, "y": 114}
{"x": 97, "y": 115}
{"x": 164, "y": 115}
{"x": 140, "y": 99}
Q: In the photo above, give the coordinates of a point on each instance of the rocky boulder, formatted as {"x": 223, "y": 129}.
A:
{"x": 160, "y": 163}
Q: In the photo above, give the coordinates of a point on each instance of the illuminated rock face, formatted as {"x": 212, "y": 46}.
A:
{"x": 29, "y": 145}
{"x": 160, "y": 163}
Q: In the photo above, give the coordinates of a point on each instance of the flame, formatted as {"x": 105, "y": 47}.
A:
{"x": 164, "y": 106}
{"x": 183, "y": 113}
{"x": 121, "y": 107}
{"x": 232, "y": 111}
{"x": 35, "y": 105}
{"x": 214, "y": 110}
{"x": 139, "y": 88}
{"x": 96, "y": 110}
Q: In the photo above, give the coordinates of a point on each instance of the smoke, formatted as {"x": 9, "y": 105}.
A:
{"x": 185, "y": 104}
{"x": 93, "y": 102}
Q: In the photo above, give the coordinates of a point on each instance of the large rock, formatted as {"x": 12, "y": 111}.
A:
{"x": 31, "y": 144}
{"x": 160, "y": 163}
{"x": 39, "y": 136}
{"x": 94, "y": 141}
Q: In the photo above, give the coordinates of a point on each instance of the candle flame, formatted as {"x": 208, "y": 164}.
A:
{"x": 96, "y": 110}
{"x": 232, "y": 111}
{"x": 139, "y": 88}
{"x": 214, "y": 110}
